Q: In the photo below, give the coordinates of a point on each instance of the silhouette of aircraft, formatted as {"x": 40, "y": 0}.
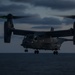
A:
{"x": 38, "y": 40}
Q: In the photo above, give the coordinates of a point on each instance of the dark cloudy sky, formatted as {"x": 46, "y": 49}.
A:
{"x": 43, "y": 11}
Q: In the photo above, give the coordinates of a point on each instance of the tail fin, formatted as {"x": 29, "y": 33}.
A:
{"x": 52, "y": 29}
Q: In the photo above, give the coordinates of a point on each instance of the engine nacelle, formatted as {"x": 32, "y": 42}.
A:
{"x": 74, "y": 33}
{"x": 7, "y": 32}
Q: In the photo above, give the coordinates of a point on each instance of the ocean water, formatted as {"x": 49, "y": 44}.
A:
{"x": 37, "y": 64}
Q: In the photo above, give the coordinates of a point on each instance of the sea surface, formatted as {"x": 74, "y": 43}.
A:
{"x": 37, "y": 64}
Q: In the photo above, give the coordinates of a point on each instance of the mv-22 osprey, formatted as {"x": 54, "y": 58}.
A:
{"x": 37, "y": 40}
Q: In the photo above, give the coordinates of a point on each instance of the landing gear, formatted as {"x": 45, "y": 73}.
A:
{"x": 55, "y": 52}
{"x": 26, "y": 50}
{"x": 36, "y": 52}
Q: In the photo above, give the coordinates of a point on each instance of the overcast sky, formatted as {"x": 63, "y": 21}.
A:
{"x": 44, "y": 11}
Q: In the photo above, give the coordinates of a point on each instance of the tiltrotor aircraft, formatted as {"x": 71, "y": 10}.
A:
{"x": 37, "y": 40}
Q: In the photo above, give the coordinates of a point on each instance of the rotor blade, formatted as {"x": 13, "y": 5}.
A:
{"x": 4, "y": 17}
{"x": 17, "y": 17}
{"x": 67, "y": 16}
{"x": 27, "y": 16}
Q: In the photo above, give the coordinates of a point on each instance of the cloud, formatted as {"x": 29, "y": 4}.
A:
{"x": 40, "y": 21}
{"x": 13, "y": 8}
{"x": 53, "y": 4}
{"x": 44, "y": 21}
{"x": 67, "y": 21}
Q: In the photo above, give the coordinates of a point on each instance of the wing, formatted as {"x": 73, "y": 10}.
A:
{"x": 22, "y": 32}
{"x": 60, "y": 33}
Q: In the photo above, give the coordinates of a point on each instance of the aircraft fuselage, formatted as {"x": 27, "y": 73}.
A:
{"x": 41, "y": 43}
